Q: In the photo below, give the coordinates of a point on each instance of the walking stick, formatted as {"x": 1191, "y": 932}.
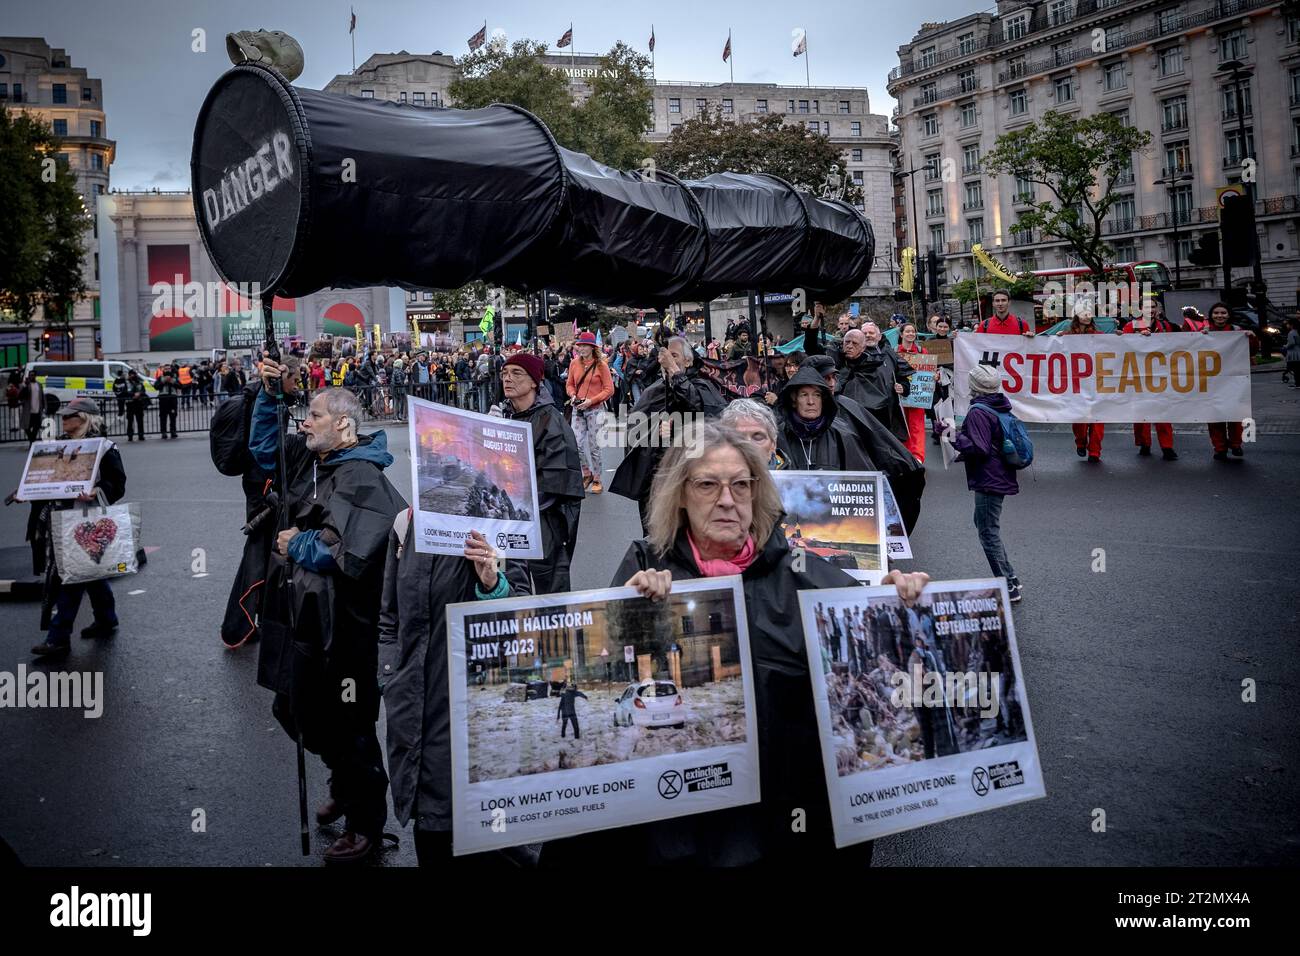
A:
{"x": 272, "y": 351}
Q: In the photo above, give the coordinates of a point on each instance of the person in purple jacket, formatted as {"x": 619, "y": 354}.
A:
{"x": 987, "y": 473}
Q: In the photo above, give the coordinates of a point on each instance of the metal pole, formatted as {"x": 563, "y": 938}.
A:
{"x": 1261, "y": 287}
{"x": 708, "y": 325}
{"x": 917, "y": 281}
{"x": 1178, "y": 260}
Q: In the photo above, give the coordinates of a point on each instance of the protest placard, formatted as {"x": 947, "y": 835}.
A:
{"x": 924, "y": 371}
{"x": 1167, "y": 377}
{"x": 922, "y": 710}
{"x": 555, "y": 733}
{"x": 61, "y": 469}
{"x": 838, "y": 516}
{"x": 472, "y": 472}
{"x": 896, "y": 539}
{"x": 941, "y": 349}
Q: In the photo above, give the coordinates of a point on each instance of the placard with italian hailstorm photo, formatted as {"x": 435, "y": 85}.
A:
{"x": 922, "y": 710}
{"x": 472, "y": 472}
{"x": 838, "y": 516}
{"x": 597, "y": 709}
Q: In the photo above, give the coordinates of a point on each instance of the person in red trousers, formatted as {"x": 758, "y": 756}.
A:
{"x": 915, "y": 416}
{"x": 1224, "y": 436}
{"x": 1087, "y": 435}
{"x": 1151, "y": 320}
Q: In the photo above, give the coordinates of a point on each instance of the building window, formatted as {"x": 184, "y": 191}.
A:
{"x": 1013, "y": 28}
{"x": 60, "y": 127}
{"x": 1122, "y": 214}
{"x": 760, "y": 106}
{"x": 1233, "y": 152}
{"x": 1125, "y": 251}
{"x": 87, "y": 93}
{"x": 1171, "y": 61}
{"x": 97, "y": 161}
{"x": 1294, "y": 77}
{"x": 934, "y": 202}
{"x": 968, "y": 83}
{"x": 97, "y": 267}
{"x": 1232, "y": 45}
{"x": 844, "y": 106}
{"x": 814, "y": 127}
{"x": 1064, "y": 87}
{"x": 968, "y": 115}
{"x": 412, "y": 297}
{"x": 1293, "y": 29}
{"x": 930, "y": 124}
{"x": 18, "y": 92}
{"x": 791, "y": 106}
{"x": 929, "y": 93}
{"x": 966, "y": 44}
{"x": 1169, "y": 20}
{"x": 1024, "y": 189}
{"x": 99, "y": 189}
{"x": 803, "y": 106}
{"x": 401, "y": 97}
{"x": 970, "y": 159}
{"x": 1116, "y": 39}
{"x": 855, "y": 128}
{"x": 1017, "y": 67}
{"x": 60, "y": 93}
{"x": 417, "y": 99}
{"x": 1173, "y": 113}
{"x": 975, "y": 230}
{"x": 700, "y": 105}
{"x": 1123, "y": 117}
{"x": 433, "y": 98}
{"x": 1180, "y": 204}
{"x": 857, "y": 177}
{"x": 1229, "y": 94}
{"x": 1178, "y": 157}
{"x": 674, "y": 105}
{"x": 856, "y": 155}
{"x": 1018, "y": 102}
{"x": 1114, "y": 76}
{"x": 931, "y": 167}
{"x": 428, "y": 296}
{"x": 1060, "y": 11}
{"x": 1062, "y": 53}
{"x": 728, "y": 106}
{"x": 936, "y": 238}
{"x": 817, "y": 106}
{"x": 927, "y": 58}
{"x": 974, "y": 196}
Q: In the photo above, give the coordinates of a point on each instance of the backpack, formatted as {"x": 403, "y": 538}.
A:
{"x": 984, "y": 326}
{"x": 1017, "y": 448}
{"x": 228, "y": 437}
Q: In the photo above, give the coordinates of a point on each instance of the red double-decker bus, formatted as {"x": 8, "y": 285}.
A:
{"x": 1112, "y": 293}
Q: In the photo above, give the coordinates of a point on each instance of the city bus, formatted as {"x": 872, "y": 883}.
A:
{"x": 1114, "y": 295}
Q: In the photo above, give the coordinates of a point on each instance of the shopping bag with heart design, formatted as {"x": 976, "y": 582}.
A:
{"x": 96, "y": 541}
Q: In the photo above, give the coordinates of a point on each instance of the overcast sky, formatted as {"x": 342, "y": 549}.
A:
{"x": 154, "y": 83}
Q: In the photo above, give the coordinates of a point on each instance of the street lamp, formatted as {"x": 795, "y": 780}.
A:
{"x": 1171, "y": 182}
{"x": 917, "y": 282}
{"x": 1239, "y": 72}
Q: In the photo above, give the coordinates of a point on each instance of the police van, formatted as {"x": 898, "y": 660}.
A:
{"x": 89, "y": 379}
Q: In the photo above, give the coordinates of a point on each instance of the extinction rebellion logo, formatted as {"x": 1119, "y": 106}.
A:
{"x": 998, "y": 775}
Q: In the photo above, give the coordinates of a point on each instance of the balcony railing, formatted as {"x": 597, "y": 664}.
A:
{"x": 1042, "y": 20}
{"x": 1125, "y": 178}
{"x": 933, "y": 213}
{"x": 970, "y": 170}
{"x": 947, "y": 93}
{"x": 957, "y": 247}
{"x": 1276, "y": 204}
{"x": 1174, "y": 126}
{"x": 974, "y": 204}
{"x": 1231, "y": 113}
{"x": 1022, "y": 199}
{"x": 1172, "y": 172}
{"x": 1115, "y": 225}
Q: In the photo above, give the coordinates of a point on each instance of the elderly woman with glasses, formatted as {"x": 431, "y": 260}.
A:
{"x": 714, "y": 510}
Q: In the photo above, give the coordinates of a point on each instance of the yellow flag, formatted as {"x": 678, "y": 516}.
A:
{"x": 907, "y": 276}
{"x": 989, "y": 263}
{"x": 378, "y": 336}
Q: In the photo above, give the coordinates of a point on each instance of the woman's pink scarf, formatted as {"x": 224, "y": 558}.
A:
{"x": 717, "y": 567}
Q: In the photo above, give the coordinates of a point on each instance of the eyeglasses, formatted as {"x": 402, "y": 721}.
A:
{"x": 710, "y": 489}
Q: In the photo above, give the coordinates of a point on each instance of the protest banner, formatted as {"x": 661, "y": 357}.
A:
{"x": 564, "y": 331}
{"x": 925, "y": 369}
{"x": 837, "y": 516}
{"x": 61, "y": 469}
{"x": 922, "y": 710}
{"x": 472, "y": 472}
{"x": 1167, "y": 377}
{"x": 941, "y": 349}
{"x": 896, "y": 539}
{"x": 555, "y": 733}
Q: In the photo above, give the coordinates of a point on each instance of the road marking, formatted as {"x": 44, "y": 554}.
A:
{"x": 201, "y": 574}
{"x": 136, "y": 591}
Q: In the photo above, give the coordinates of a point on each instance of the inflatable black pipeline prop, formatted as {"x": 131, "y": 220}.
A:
{"x": 300, "y": 190}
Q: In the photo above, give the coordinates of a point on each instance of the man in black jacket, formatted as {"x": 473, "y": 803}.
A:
{"x": 870, "y": 373}
{"x": 559, "y": 470}
{"x": 568, "y": 710}
{"x": 679, "y": 391}
{"x": 168, "y": 386}
{"x": 319, "y": 648}
{"x": 137, "y": 399}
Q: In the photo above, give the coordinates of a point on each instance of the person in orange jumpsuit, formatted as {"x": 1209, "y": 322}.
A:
{"x": 915, "y": 416}
{"x": 1150, "y": 321}
{"x": 1087, "y": 435}
{"x": 1224, "y": 436}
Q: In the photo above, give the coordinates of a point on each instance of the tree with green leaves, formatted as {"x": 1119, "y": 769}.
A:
{"x": 42, "y": 239}
{"x": 711, "y": 143}
{"x": 1078, "y": 161}
{"x": 968, "y": 290}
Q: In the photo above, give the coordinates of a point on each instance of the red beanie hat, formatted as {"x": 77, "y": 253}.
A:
{"x": 529, "y": 363}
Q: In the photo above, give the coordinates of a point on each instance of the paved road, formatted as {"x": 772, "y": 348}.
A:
{"x": 1133, "y": 675}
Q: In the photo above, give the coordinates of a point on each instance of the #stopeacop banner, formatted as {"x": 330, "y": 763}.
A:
{"x": 579, "y": 712}
{"x": 922, "y": 709}
{"x": 1165, "y": 377}
{"x": 472, "y": 472}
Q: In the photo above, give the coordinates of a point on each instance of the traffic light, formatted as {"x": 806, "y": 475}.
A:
{"x": 1237, "y": 227}
{"x": 1206, "y": 252}
{"x": 932, "y": 275}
